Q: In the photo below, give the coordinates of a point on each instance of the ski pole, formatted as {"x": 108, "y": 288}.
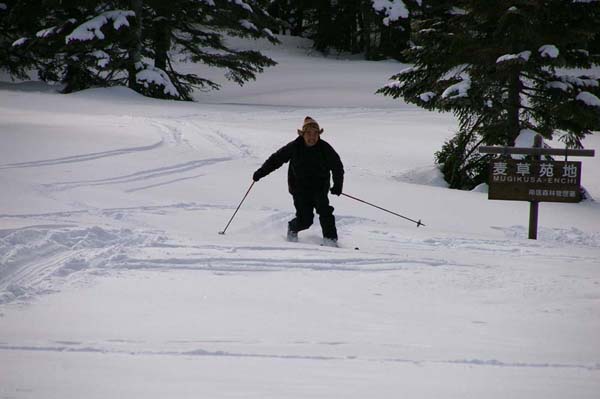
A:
{"x": 238, "y": 208}
{"x": 386, "y": 210}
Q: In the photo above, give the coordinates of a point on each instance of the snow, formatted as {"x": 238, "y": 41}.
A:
{"x": 548, "y": 51}
{"x": 458, "y": 11}
{"x": 559, "y": 85}
{"x": 102, "y": 57}
{"x": 458, "y": 90}
{"x": 580, "y": 81}
{"x": 20, "y": 42}
{"x": 151, "y": 75}
{"x": 524, "y": 55}
{"x": 243, "y": 4}
{"x": 46, "y": 32}
{"x": 392, "y": 9}
{"x": 426, "y": 97}
{"x": 114, "y": 281}
{"x": 92, "y": 29}
{"x": 248, "y": 25}
{"x": 268, "y": 32}
{"x": 588, "y": 98}
{"x": 526, "y": 138}
{"x": 567, "y": 82}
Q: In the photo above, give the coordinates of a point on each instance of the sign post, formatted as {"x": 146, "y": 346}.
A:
{"x": 535, "y": 180}
{"x": 534, "y": 206}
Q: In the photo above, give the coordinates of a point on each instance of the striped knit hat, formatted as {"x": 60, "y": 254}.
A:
{"x": 309, "y": 122}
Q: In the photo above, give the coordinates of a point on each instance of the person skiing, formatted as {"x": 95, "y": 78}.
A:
{"x": 313, "y": 163}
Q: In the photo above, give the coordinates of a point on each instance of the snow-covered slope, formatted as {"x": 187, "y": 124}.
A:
{"x": 115, "y": 283}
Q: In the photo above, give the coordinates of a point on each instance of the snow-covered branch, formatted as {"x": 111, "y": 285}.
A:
{"x": 392, "y": 9}
{"x": 92, "y": 29}
{"x": 588, "y": 99}
{"x": 150, "y": 75}
{"x": 549, "y": 51}
{"x": 522, "y": 56}
{"x": 458, "y": 90}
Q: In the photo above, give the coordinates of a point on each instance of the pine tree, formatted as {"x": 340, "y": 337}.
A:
{"x": 75, "y": 42}
{"x": 502, "y": 68}
{"x": 391, "y": 28}
{"x": 141, "y": 43}
{"x": 16, "y": 17}
{"x": 191, "y": 30}
{"x": 372, "y": 27}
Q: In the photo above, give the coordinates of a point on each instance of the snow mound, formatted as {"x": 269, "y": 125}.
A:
{"x": 426, "y": 176}
{"x": 119, "y": 93}
{"x": 482, "y": 188}
{"x": 570, "y": 236}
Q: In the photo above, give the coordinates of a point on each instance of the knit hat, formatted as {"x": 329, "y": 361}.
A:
{"x": 309, "y": 122}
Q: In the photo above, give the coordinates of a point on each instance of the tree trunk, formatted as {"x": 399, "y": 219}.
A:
{"x": 354, "y": 13}
{"x": 135, "y": 50}
{"x": 161, "y": 37}
{"x": 324, "y": 37}
{"x": 366, "y": 29}
{"x": 514, "y": 107}
{"x": 298, "y": 22}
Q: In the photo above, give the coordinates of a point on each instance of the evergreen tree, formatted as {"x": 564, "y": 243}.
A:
{"x": 502, "y": 68}
{"x": 75, "y": 42}
{"x": 191, "y": 30}
{"x": 16, "y": 17}
{"x": 372, "y": 27}
{"x": 390, "y": 28}
{"x": 86, "y": 43}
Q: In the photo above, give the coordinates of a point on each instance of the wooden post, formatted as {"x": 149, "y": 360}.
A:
{"x": 534, "y": 205}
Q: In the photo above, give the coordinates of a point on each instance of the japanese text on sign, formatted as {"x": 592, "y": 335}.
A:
{"x": 535, "y": 180}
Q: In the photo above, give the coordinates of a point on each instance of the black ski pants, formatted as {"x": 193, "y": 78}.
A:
{"x": 307, "y": 201}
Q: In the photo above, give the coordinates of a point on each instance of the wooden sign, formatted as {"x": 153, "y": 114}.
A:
{"x": 538, "y": 181}
{"x": 535, "y": 181}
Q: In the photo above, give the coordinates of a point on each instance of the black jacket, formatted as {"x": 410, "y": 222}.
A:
{"x": 310, "y": 167}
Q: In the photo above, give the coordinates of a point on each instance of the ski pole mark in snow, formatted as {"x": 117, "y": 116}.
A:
{"x": 83, "y": 157}
{"x": 138, "y": 176}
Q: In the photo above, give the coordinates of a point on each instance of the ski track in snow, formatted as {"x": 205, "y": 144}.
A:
{"x": 40, "y": 259}
{"x": 137, "y": 176}
{"x": 173, "y": 133}
{"x": 77, "y": 347}
{"x": 82, "y": 157}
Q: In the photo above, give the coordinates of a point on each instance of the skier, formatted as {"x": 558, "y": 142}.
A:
{"x": 312, "y": 164}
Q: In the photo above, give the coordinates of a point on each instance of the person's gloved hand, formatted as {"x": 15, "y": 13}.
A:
{"x": 336, "y": 189}
{"x": 257, "y": 175}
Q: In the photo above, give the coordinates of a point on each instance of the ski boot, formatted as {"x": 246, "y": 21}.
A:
{"x": 330, "y": 242}
{"x": 292, "y": 235}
